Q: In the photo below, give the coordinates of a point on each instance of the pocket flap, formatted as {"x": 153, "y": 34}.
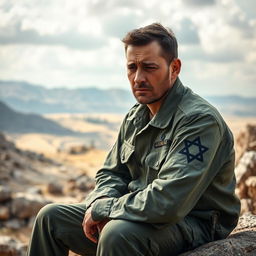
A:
{"x": 126, "y": 151}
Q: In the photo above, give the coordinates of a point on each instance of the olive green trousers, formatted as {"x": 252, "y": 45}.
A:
{"x": 58, "y": 229}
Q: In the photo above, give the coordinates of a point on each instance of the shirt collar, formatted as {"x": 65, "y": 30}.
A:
{"x": 163, "y": 118}
{"x": 166, "y": 111}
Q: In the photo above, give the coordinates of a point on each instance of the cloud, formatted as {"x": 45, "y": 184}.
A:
{"x": 248, "y": 7}
{"x": 197, "y": 53}
{"x": 199, "y": 2}
{"x": 119, "y": 24}
{"x": 77, "y": 43}
{"x": 71, "y": 39}
{"x": 187, "y": 33}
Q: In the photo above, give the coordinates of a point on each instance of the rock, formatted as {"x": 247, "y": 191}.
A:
{"x": 246, "y": 205}
{"x": 14, "y": 224}
{"x": 246, "y": 141}
{"x": 85, "y": 183}
{"x": 34, "y": 191}
{"x": 78, "y": 149}
{"x": 31, "y": 222}
{"x": 55, "y": 188}
{"x": 26, "y": 205}
{"x": 11, "y": 247}
{"x": 240, "y": 242}
{"x": 4, "y": 213}
{"x": 5, "y": 193}
{"x": 251, "y": 186}
{"x": 5, "y": 144}
{"x": 245, "y": 168}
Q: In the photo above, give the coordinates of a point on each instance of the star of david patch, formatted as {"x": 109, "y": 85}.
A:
{"x": 192, "y": 156}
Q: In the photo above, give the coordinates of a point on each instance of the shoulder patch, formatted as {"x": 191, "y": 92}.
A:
{"x": 194, "y": 154}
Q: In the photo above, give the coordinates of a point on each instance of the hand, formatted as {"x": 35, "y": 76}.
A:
{"x": 102, "y": 224}
{"x": 90, "y": 226}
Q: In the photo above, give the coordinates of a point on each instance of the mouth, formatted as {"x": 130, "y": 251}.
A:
{"x": 142, "y": 90}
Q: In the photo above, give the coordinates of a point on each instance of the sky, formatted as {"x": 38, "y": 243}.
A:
{"x": 77, "y": 43}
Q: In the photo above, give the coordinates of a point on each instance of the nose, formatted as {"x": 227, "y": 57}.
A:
{"x": 139, "y": 76}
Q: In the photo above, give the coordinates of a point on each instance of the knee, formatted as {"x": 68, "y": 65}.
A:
{"x": 117, "y": 231}
{"x": 48, "y": 212}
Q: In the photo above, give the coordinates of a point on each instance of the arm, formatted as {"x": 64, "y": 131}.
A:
{"x": 181, "y": 180}
{"x": 112, "y": 179}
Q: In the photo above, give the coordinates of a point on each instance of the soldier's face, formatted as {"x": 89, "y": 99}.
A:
{"x": 148, "y": 72}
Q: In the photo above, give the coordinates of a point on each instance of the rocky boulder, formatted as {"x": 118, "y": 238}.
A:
{"x": 242, "y": 241}
{"x": 5, "y": 193}
{"x": 84, "y": 183}
{"x": 246, "y": 141}
{"x": 246, "y": 181}
{"x": 11, "y": 247}
{"x": 55, "y": 188}
{"x": 27, "y": 205}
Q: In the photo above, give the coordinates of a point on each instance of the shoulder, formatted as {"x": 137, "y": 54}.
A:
{"x": 193, "y": 108}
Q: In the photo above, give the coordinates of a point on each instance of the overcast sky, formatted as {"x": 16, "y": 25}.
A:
{"x": 76, "y": 43}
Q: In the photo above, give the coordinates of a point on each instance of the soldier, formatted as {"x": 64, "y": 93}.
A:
{"x": 167, "y": 185}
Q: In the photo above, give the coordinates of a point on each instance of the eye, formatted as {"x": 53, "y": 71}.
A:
{"x": 131, "y": 67}
{"x": 150, "y": 67}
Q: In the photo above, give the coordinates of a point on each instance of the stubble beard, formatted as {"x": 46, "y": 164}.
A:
{"x": 154, "y": 100}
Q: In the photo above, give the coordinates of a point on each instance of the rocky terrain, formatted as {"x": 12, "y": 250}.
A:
{"x": 30, "y": 180}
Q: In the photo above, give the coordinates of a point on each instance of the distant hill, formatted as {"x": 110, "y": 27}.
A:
{"x": 15, "y": 122}
{"x": 234, "y": 105}
{"x": 26, "y": 97}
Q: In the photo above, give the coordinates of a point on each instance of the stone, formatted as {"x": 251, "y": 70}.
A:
{"x": 245, "y": 168}
{"x": 251, "y": 186}
{"x": 26, "y": 205}
{"x": 78, "y": 149}
{"x": 11, "y": 247}
{"x": 246, "y": 205}
{"x": 4, "y": 213}
{"x": 85, "y": 183}
{"x": 31, "y": 222}
{"x": 5, "y": 193}
{"x": 240, "y": 242}
{"x": 246, "y": 141}
{"x": 34, "y": 191}
{"x": 55, "y": 188}
{"x": 14, "y": 224}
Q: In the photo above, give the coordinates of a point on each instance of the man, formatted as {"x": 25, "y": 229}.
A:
{"x": 167, "y": 185}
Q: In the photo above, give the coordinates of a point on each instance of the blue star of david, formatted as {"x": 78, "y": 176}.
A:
{"x": 201, "y": 150}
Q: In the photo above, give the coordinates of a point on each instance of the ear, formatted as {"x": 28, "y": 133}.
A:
{"x": 175, "y": 67}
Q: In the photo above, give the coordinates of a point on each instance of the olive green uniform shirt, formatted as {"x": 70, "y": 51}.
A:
{"x": 179, "y": 163}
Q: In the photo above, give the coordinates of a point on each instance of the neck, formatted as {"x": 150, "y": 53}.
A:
{"x": 154, "y": 107}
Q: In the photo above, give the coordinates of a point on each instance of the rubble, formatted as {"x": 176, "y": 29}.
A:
{"x": 5, "y": 193}
{"x": 27, "y": 205}
{"x": 55, "y": 188}
{"x": 11, "y": 247}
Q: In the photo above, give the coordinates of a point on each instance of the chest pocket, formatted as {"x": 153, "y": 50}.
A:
{"x": 156, "y": 158}
{"x": 126, "y": 151}
{"x": 154, "y": 162}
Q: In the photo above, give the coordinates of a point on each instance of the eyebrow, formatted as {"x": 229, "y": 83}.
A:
{"x": 145, "y": 63}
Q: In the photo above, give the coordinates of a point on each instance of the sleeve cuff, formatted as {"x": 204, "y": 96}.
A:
{"x": 101, "y": 208}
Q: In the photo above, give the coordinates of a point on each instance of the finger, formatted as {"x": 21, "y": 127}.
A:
{"x": 90, "y": 233}
{"x": 92, "y": 237}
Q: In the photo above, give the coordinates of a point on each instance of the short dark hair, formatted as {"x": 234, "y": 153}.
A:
{"x": 154, "y": 32}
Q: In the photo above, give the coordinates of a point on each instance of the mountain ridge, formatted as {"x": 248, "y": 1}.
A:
{"x": 27, "y": 97}
{"x": 16, "y": 122}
